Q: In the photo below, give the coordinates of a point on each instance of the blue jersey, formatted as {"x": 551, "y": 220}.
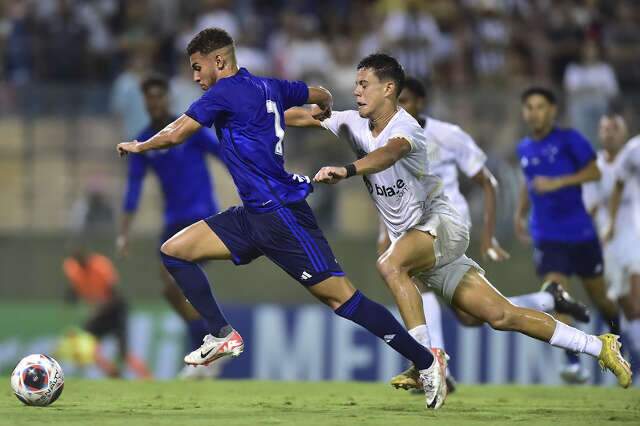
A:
{"x": 560, "y": 215}
{"x": 248, "y": 114}
{"x": 183, "y": 176}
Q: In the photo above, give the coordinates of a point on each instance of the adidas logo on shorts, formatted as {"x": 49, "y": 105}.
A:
{"x": 305, "y": 275}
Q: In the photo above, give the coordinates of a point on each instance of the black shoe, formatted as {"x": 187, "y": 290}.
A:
{"x": 451, "y": 384}
{"x": 565, "y": 304}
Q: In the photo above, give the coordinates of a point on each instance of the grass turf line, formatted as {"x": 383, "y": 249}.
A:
{"x": 116, "y": 402}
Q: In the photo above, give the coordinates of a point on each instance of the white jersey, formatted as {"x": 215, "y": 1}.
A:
{"x": 596, "y": 195}
{"x": 405, "y": 191}
{"x": 456, "y": 150}
{"x": 628, "y": 171}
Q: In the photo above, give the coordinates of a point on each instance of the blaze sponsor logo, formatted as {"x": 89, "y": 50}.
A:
{"x": 396, "y": 190}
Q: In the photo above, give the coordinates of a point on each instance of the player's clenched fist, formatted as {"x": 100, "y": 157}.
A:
{"x": 126, "y": 147}
{"x": 330, "y": 175}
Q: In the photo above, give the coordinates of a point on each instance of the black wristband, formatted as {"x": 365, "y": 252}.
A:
{"x": 351, "y": 170}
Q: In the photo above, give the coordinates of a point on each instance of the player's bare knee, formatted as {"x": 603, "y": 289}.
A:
{"x": 174, "y": 249}
{"x": 390, "y": 270}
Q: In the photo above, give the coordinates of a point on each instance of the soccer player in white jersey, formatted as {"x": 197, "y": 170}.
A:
{"x": 454, "y": 150}
{"x": 619, "y": 188}
{"x": 429, "y": 237}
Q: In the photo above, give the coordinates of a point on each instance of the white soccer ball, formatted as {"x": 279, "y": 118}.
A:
{"x": 37, "y": 380}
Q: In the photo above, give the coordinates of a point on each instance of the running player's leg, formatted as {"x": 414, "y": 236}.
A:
{"x": 476, "y": 296}
{"x": 303, "y": 252}
{"x": 196, "y": 326}
{"x": 412, "y": 252}
{"x": 588, "y": 265}
{"x": 433, "y": 316}
{"x": 630, "y": 304}
{"x": 340, "y": 295}
{"x": 597, "y": 291}
{"x": 180, "y": 255}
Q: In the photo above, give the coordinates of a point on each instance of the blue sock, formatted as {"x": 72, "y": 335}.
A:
{"x": 572, "y": 357}
{"x": 380, "y": 322}
{"x": 197, "y": 329}
{"x": 194, "y": 284}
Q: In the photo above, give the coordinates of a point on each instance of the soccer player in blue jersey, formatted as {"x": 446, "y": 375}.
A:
{"x": 274, "y": 220}
{"x": 556, "y": 162}
{"x": 188, "y": 196}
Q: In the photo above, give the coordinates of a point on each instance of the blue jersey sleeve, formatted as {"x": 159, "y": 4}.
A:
{"x": 580, "y": 149}
{"x": 208, "y": 141}
{"x": 294, "y": 93}
{"x": 210, "y": 105}
{"x": 135, "y": 177}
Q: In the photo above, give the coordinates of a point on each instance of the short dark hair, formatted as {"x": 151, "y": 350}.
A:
{"x": 208, "y": 40}
{"x": 385, "y": 67}
{"x": 154, "y": 81}
{"x": 416, "y": 87}
{"x": 541, "y": 91}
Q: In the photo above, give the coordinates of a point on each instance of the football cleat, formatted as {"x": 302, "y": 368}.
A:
{"x": 408, "y": 379}
{"x": 574, "y": 374}
{"x": 564, "y": 303}
{"x": 433, "y": 380}
{"x": 214, "y": 348}
{"x": 611, "y": 359}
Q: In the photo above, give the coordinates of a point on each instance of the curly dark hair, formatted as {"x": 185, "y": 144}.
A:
{"x": 208, "y": 40}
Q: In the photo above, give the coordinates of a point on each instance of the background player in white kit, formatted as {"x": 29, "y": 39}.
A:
{"x": 454, "y": 150}
{"x": 620, "y": 180}
{"x": 429, "y": 238}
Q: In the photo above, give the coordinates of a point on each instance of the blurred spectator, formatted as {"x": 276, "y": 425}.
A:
{"x": 217, "y": 13}
{"x": 63, "y": 44}
{"x": 304, "y": 54}
{"x": 92, "y": 213}
{"x": 491, "y": 36}
{"x": 590, "y": 86}
{"x": 622, "y": 38}
{"x": 413, "y": 36}
{"x": 182, "y": 89}
{"x": 19, "y": 43}
{"x": 127, "y": 102}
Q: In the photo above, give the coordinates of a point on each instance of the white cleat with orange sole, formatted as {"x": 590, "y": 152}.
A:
{"x": 214, "y": 348}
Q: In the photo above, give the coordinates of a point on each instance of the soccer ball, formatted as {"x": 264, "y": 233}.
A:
{"x": 37, "y": 380}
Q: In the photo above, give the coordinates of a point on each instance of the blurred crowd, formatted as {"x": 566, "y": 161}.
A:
{"x": 453, "y": 42}
{"x": 89, "y": 56}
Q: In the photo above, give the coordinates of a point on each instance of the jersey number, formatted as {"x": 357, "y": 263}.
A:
{"x": 273, "y": 108}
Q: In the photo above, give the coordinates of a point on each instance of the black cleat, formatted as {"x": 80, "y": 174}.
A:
{"x": 565, "y": 304}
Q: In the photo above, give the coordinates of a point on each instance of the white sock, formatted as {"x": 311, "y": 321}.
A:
{"x": 540, "y": 301}
{"x": 421, "y": 334}
{"x": 570, "y": 338}
{"x": 433, "y": 315}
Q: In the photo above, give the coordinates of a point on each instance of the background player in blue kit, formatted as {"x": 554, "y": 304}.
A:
{"x": 556, "y": 162}
{"x": 188, "y": 195}
{"x": 274, "y": 220}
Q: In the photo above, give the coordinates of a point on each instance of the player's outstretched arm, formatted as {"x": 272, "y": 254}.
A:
{"x": 490, "y": 246}
{"x": 173, "y": 134}
{"x": 588, "y": 173}
{"x": 614, "y": 206}
{"x": 302, "y": 117}
{"x": 374, "y": 162}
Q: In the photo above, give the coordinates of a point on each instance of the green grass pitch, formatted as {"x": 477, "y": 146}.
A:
{"x": 115, "y": 402}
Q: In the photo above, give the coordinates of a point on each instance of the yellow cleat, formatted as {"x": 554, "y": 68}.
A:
{"x": 408, "y": 379}
{"x": 611, "y": 359}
